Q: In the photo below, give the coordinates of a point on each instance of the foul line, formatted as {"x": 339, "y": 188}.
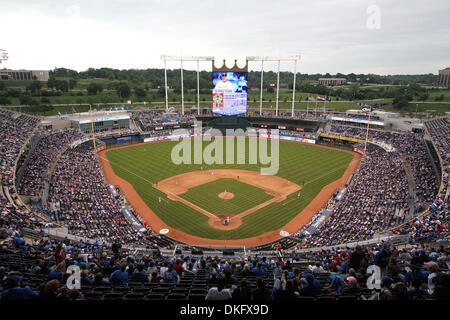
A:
{"x": 126, "y": 170}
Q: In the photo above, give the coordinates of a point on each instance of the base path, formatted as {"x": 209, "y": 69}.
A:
{"x": 157, "y": 224}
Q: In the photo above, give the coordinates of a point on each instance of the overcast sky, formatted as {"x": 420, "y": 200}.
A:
{"x": 379, "y": 36}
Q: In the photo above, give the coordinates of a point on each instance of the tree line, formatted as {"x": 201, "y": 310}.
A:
{"x": 126, "y": 83}
{"x": 156, "y": 77}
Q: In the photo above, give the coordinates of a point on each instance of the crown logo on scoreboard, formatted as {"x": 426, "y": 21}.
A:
{"x": 235, "y": 68}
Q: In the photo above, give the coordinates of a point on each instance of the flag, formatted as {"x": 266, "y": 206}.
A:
{"x": 320, "y": 98}
{"x": 311, "y": 98}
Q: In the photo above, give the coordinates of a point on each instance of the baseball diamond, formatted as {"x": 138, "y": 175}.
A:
{"x": 188, "y": 209}
{"x": 245, "y": 196}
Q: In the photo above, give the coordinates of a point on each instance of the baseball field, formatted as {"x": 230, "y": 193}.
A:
{"x": 194, "y": 200}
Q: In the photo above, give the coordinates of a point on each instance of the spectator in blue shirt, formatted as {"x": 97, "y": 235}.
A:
{"x": 85, "y": 280}
{"x": 120, "y": 277}
{"x": 343, "y": 267}
{"x": 310, "y": 286}
{"x": 327, "y": 262}
{"x": 415, "y": 274}
{"x": 81, "y": 264}
{"x": 264, "y": 263}
{"x": 57, "y": 272}
{"x": 15, "y": 292}
{"x": 382, "y": 257}
{"x": 170, "y": 276}
{"x": 139, "y": 275}
{"x": 259, "y": 270}
{"x": 19, "y": 243}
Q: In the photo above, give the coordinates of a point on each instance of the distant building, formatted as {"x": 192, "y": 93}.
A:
{"x": 41, "y": 75}
{"x": 332, "y": 81}
{"x": 444, "y": 78}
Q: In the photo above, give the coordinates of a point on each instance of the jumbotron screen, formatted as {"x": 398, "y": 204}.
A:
{"x": 229, "y": 93}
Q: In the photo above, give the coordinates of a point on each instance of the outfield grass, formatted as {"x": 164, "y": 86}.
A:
{"x": 245, "y": 196}
{"x": 145, "y": 164}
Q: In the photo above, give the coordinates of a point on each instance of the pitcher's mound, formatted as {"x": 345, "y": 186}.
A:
{"x": 226, "y": 195}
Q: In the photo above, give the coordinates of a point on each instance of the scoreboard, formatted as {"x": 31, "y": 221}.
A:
{"x": 229, "y": 95}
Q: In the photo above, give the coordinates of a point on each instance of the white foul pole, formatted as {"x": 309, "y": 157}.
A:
{"x": 278, "y": 87}
{"x": 182, "y": 89}
{"x": 262, "y": 88}
{"x": 165, "y": 83}
{"x": 198, "y": 87}
{"x": 293, "y": 87}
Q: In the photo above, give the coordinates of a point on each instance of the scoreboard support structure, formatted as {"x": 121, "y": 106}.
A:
{"x": 181, "y": 59}
{"x": 294, "y": 58}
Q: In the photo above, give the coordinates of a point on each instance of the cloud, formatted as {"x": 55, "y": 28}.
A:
{"x": 331, "y": 36}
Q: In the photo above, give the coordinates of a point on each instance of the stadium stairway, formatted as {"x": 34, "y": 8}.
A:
{"x": 434, "y": 157}
{"x": 411, "y": 187}
{"x": 8, "y": 196}
{"x": 45, "y": 190}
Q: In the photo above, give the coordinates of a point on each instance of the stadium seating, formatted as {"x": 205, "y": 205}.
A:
{"x": 312, "y": 274}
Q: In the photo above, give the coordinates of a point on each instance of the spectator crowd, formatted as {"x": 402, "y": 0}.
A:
{"x": 377, "y": 199}
{"x": 41, "y": 158}
{"x": 80, "y": 199}
{"x": 41, "y": 271}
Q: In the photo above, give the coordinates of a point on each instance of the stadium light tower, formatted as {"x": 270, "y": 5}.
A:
{"x": 3, "y": 55}
{"x": 181, "y": 59}
{"x": 294, "y": 58}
